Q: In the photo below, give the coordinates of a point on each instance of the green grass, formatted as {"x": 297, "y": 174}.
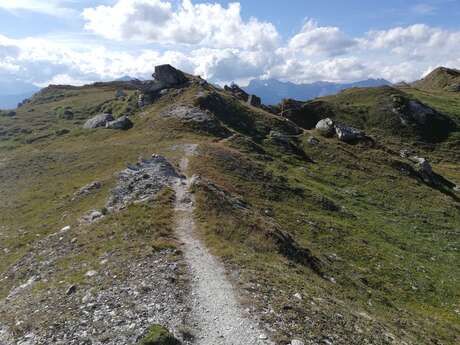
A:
{"x": 388, "y": 241}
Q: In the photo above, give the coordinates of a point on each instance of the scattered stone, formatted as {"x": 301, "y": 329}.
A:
{"x": 263, "y": 337}
{"x": 313, "y": 141}
{"x": 88, "y": 189}
{"x": 254, "y": 101}
{"x": 91, "y": 217}
{"x": 140, "y": 100}
{"x": 325, "y": 127}
{"x": 122, "y": 123}
{"x": 298, "y": 296}
{"x": 457, "y": 189}
{"x": 348, "y": 134}
{"x": 97, "y": 121}
{"x": 64, "y": 229}
{"x": 297, "y": 342}
{"x": 71, "y": 290}
{"x": 90, "y": 274}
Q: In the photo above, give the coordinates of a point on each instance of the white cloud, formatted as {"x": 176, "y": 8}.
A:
{"x": 313, "y": 40}
{"x": 214, "y": 41}
{"x": 49, "y": 7}
{"x": 206, "y": 24}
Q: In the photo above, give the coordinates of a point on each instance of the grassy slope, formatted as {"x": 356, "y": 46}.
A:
{"x": 392, "y": 249}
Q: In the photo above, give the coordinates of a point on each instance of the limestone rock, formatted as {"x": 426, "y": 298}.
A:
{"x": 422, "y": 165}
{"x": 325, "y": 127}
{"x": 97, "y": 121}
{"x": 89, "y": 188}
{"x": 348, "y": 134}
{"x": 141, "y": 182}
{"x": 122, "y": 123}
{"x": 168, "y": 76}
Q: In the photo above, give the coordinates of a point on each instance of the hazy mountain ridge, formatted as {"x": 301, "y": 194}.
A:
{"x": 273, "y": 91}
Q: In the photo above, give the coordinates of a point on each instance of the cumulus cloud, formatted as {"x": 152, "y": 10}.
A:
{"x": 205, "y": 24}
{"x": 313, "y": 40}
{"x": 214, "y": 41}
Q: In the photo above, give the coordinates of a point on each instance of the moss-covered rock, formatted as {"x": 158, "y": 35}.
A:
{"x": 158, "y": 335}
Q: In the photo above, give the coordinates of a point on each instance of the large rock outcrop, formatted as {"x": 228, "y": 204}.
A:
{"x": 141, "y": 182}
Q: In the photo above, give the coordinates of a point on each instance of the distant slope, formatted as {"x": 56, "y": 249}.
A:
{"x": 12, "y": 92}
{"x": 385, "y": 110}
{"x": 273, "y": 91}
{"x": 441, "y": 78}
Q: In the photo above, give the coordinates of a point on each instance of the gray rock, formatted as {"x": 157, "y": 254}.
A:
{"x": 313, "y": 141}
{"x": 91, "y": 217}
{"x": 168, "y": 76}
{"x": 88, "y": 189}
{"x": 91, "y": 273}
{"x": 140, "y": 101}
{"x": 254, "y": 101}
{"x": 325, "y": 127}
{"x": 122, "y": 123}
{"x": 297, "y": 342}
{"x": 237, "y": 92}
{"x": 98, "y": 121}
{"x": 141, "y": 182}
{"x": 71, "y": 290}
{"x": 348, "y": 134}
{"x": 422, "y": 165}
{"x": 457, "y": 189}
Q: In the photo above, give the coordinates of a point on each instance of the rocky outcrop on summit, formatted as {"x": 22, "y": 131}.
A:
{"x": 142, "y": 182}
{"x": 168, "y": 76}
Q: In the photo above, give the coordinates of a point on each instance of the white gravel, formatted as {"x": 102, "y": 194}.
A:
{"x": 218, "y": 318}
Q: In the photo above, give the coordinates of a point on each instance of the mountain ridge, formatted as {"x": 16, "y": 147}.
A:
{"x": 273, "y": 91}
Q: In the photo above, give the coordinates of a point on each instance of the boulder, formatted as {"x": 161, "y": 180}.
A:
{"x": 422, "y": 165}
{"x": 98, "y": 121}
{"x": 254, "y": 101}
{"x": 348, "y": 134}
{"x": 122, "y": 123}
{"x": 325, "y": 127}
{"x": 168, "y": 76}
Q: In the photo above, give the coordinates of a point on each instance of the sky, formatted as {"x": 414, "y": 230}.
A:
{"x": 80, "y": 41}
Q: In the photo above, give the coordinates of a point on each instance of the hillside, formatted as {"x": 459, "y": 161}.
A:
{"x": 441, "y": 79}
{"x": 226, "y": 222}
{"x": 273, "y": 91}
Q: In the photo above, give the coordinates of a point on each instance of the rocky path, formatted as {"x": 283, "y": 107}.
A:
{"x": 218, "y": 318}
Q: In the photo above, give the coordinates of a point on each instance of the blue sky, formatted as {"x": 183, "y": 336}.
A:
{"x": 43, "y": 41}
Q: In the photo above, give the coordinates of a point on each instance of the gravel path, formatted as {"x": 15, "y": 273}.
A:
{"x": 218, "y": 318}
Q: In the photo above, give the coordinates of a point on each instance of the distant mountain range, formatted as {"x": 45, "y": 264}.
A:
{"x": 13, "y": 91}
{"x": 273, "y": 91}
